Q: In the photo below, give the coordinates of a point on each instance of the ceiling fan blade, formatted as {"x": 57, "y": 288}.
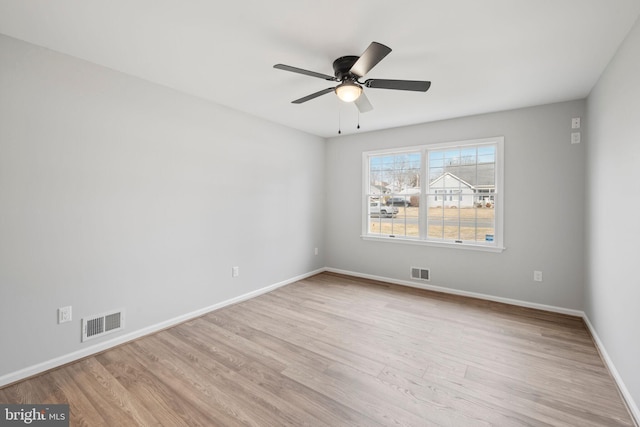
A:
{"x": 415, "y": 85}
{"x": 370, "y": 58}
{"x": 363, "y": 103}
{"x": 313, "y": 95}
{"x": 305, "y": 72}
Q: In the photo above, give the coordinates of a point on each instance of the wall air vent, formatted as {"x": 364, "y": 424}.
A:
{"x": 420, "y": 274}
{"x": 102, "y": 324}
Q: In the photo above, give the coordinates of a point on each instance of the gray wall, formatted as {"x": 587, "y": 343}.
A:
{"x": 117, "y": 193}
{"x": 613, "y": 162}
{"x": 544, "y": 208}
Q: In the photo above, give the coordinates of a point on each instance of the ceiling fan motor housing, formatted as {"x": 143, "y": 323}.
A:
{"x": 342, "y": 67}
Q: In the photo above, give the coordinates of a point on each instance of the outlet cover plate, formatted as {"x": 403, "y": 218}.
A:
{"x": 575, "y": 123}
{"x": 575, "y": 137}
{"x": 64, "y": 314}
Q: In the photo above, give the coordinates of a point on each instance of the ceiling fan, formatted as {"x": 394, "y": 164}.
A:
{"x": 349, "y": 70}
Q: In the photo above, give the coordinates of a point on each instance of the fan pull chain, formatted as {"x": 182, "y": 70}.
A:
{"x": 358, "y": 119}
{"x": 339, "y": 120}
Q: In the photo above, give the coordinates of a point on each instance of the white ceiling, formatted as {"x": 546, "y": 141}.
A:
{"x": 481, "y": 55}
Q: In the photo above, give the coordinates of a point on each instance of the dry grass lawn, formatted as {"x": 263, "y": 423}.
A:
{"x": 406, "y": 223}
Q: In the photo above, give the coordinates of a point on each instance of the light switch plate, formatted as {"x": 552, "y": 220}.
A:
{"x": 575, "y": 123}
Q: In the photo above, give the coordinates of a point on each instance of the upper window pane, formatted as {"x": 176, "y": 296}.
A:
{"x": 395, "y": 173}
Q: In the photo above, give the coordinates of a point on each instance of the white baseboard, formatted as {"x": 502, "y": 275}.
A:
{"x": 631, "y": 404}
{"x": 487, "y": 297}
{"x": 121, "y": 339}
{"x": 624, "y": 391}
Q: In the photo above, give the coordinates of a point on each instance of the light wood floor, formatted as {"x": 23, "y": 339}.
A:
{"x": 338, "y": 351}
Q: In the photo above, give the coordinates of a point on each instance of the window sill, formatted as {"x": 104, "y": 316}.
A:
{"x": 463, "y": 246}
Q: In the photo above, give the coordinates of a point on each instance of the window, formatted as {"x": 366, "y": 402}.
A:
{"x": 441, "y": 194}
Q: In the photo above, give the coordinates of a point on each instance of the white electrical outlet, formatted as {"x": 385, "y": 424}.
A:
{"x": 537, "y": 276}
{"x": 315, "y": 251}
{"x": 235, "y": 271}
{"x": 575, "y": 137}
{"x": 64, "y": 314}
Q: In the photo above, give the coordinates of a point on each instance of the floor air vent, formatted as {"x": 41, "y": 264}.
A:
{"x": 420, "y": 273}
{"x": 98, "y": 325}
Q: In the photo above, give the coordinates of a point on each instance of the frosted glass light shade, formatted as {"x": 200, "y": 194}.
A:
{"x": 348, "y": 91}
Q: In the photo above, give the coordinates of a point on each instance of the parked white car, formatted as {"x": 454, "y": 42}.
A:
{"x": 379, "y": 209}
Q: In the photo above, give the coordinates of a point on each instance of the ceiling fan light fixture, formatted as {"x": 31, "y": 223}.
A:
{"x": 348, "y": 70}
{"x": 348, "y": 91}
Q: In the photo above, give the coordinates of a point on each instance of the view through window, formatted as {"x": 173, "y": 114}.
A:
{"x": 459, "y": 202}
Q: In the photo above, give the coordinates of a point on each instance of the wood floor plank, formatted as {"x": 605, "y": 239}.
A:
{"x": 584, "y": 411}
{"x": 268, "y": 409}
{"x": 364, "y": 401}
{"x": 151, "y": 391}
{"x": 253, "y": 331}
{"x": 441, "y": 409}
{"x": 320, "y": 408}
{"x": 492, "y": 402}
{"x": 83, "y": 411}
{"x": 202, "y": 385}
{"x": 333, "y": 350}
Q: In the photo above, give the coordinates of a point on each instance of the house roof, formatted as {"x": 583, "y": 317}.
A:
{"x": 374, "y": 188}
{"x": 442, "y": 177}
{"x": 476, "y": 176}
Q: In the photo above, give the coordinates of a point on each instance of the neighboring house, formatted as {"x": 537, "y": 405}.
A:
{"x": 411, "y": 195}
{"x": 378, "y": 189}
{"x": 449, "y": 190}
{"x": 413, "y": 191}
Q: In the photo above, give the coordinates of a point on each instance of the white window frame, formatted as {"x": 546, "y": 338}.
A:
{"x": 497, "y": 193}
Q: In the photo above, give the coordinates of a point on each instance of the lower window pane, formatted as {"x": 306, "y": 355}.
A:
{"x": 435, "y": 223}
{"x": 406, "y": 222}
{"x": 462, "y": 220}
{"x": 486, "y": 222}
